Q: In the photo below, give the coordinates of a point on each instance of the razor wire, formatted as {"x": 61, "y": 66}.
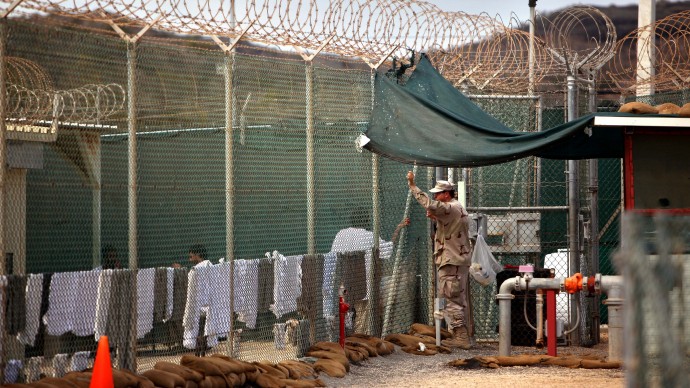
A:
{"x": 31, "y": 97}
{"x": 479, "y": 50}
{"x": 87, "y": 104}
{"x": 671, "y": 41}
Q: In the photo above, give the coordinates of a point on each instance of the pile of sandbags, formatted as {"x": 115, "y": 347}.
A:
{"x": 334, "y": 360}
{"x": 216, "y": 371}
{"x": 220, "y": 371}
{"x": 568, "y": 361}
{"x": 421, "y": 340}
{"x": 121, "y": 378}
{"x": 667, "y": 108}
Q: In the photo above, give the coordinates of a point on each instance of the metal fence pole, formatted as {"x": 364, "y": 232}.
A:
{"x": 574, "y": 207}
{"x": 3, "y": 138}
{"x": 229, "y": 63}
{"x": 131, "y": 362}
{"x": 311, "y": 190}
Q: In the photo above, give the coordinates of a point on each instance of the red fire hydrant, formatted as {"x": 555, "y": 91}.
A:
{"x": 343, "y": 308}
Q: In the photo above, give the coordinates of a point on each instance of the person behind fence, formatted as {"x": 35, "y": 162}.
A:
{"x": 358, "y": 237}
{"x": 109, "y": 258}
{"x": 197, "y": 257}
{"x": 452, "y": 256}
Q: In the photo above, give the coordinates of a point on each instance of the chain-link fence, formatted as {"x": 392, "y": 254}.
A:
{"x": 654, "y": 262}
{"x": 246, "y": 159}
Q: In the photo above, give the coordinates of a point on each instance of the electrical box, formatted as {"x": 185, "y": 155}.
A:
{"x": 514, "y": 233}
{"x": 478, "y": 223}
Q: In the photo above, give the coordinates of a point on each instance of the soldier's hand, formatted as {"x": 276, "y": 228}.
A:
{"x": 410, "y": 178}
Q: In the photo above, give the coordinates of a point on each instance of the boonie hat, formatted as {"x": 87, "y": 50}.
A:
{"x": 442, "y": 186}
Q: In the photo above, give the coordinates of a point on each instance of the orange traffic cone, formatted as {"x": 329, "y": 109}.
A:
{"x": 102, "y": 375}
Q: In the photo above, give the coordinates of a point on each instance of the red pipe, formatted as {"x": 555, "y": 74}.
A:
{"x": 343, "y": 308}
{"x": 551, "y": 322}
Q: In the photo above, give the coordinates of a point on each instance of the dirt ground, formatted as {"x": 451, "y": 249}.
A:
{"x": 401, "y": 369}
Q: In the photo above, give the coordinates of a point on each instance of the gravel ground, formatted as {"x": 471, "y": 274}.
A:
{"x": 401, "y": 369}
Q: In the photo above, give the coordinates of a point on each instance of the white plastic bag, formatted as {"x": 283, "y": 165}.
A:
{"x": 484, "y": 266}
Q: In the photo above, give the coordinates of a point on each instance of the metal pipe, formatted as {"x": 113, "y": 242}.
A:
{"x": 377, "y": 325}
{"x": 613, "y": 287}
{"x": 3, "y": 139}
{"x": 131, "y": 362}
{"x": 532, "y": 19}
{"x": 311, "y": 190}
{"x": 230, "y": 115}
{"x": 474, "y": 209}
{"x": 646, "y": 48}
{"x": 540, "y": 319}
{"x": 502, "y": 97}
{"x": 573, "y": 204}
{"x": 539, "y": 109}
{"x": 593, "y": 166}
{"x": 504, "y": 297}
{"x": 438, "y": 315}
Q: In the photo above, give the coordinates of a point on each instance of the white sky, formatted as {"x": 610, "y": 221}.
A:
{"x": 519, "y": 7}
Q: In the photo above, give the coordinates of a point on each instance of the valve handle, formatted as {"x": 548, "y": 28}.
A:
{"x": 573, "y": 284}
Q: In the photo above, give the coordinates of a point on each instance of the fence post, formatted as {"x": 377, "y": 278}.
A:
{"x": 3, "y": 138}
{"x": 573, "y": 206}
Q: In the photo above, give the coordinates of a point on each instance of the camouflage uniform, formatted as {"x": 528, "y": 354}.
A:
{"x": 452, "y": 256}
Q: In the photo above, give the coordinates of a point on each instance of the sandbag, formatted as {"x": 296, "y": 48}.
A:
{"x": 268, "y": 381}
{"x": 667, "y": 108}
{"x": 638, "y": 108}
{"x": 180, "y": 370}
{"x": 80, "y": 379}
{"x": 356, "y": 354}
{"x": 684, "y": 110}
{"x": 298, "y": 369}
{"x": 327, "y": 346}
{"x": 303, "y": 383}
{"x": 201, "y": 365}
{"x": 164, "y": 379}
{"x": 363, "y": 343}
{"x": 331, "y": 356}
{"x": 430, "y": 331}
{"x": 330, "y": 367}
{"x": 245, "y": 366}
{"x": 123, "y": 378}
{"x": 418, "y": 351}
{"x": 267, "y": 367}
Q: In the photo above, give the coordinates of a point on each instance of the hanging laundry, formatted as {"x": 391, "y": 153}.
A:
{"x": 287, "y": 283}
{"x": 34, "y": 290}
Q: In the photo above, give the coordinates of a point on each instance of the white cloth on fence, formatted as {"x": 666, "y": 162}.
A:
{"x": 34, "y": 290}
{"x": 246, "y": 282}
{"x": 102, "y": 303}
{"x": 330, "y": 263}
{"x": 198, "y": 291}
{"x": 145, "y": 285}
{"x": 287, "y": 283}
{"x": 170, "y": 274}
{"x": 60, "y": 364}
{"x": 12, "y": 371}
{"x": 218, "y": 314}
{"x": 84, "y": 312}
{"x": 72, "y": 303}
{"x": 62, "y": 290}
{"x": 80, "y": 361}
{"x": 358, "y": 239}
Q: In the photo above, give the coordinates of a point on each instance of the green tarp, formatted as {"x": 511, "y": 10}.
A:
{"x": 429, "y": 122}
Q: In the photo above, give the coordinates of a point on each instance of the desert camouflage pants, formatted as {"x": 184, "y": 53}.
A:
{"x": 454, "y": 286}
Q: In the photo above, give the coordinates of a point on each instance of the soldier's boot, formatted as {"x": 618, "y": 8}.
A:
{"x": 460, "y": 339}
